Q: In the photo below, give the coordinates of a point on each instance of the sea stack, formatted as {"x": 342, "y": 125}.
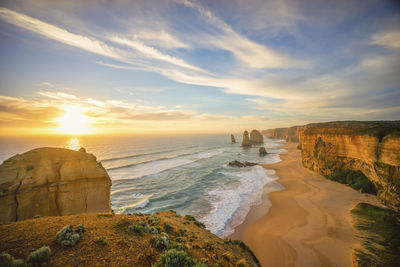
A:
{"x": 233, "y": 140}
{"x": 52, "y": 182}
{"x": 262, "y": 151}
{"x": 256, "y": 137}
{"x": 246, "y": 141}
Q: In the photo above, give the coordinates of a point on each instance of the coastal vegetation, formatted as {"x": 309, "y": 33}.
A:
{"x": 161, "y": 239}
{"x": 355, "y": 179}
{"x": 379, "y": 233}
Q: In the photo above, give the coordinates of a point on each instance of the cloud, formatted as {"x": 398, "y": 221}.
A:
{"x": 253, "y": 54}
{"x": 58, "y": 34}
{"x": 140, "y": 57}
{"x": 159, "y": 39}
{"x": 153, "y": 53}
{"x": 389, "y": 39}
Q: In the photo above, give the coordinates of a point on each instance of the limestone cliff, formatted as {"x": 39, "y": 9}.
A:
{"x": 256, "y": 137}
{"x": 371, "y": 147}
{"x": 246, "y": 141}
{"x": 52, "y": 181}
{"x": 290, "y": 134}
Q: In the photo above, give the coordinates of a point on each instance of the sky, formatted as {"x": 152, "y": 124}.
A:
{"x": 186, "y": 66}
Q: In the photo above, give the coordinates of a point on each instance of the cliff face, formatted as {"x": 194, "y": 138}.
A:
{"x": 256, "y": 137}
{"x": 246, "y": 141}
{"x": 52, "y": 181}
{"x": 290, "y": 134}
{"x": 330, "y": 147}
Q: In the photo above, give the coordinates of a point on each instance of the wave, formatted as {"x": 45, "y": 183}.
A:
{"x": 133, "y": 171}
{"x": 231, "y": 205}
{"x": 143, "y": 201}
{"x": 136, "y": 155}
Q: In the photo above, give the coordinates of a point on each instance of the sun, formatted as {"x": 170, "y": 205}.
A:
{"x": 74, "y": 121}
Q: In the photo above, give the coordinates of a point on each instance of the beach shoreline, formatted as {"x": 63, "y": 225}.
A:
{"x": 308, "y": 223}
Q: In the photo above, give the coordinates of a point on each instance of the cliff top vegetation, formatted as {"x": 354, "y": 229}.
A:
{"x": 159, "y": 239}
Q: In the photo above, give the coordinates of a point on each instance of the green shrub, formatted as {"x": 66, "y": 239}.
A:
{"x": 177, "y": 258}
{"x": 179, "y": 239}
{"x": 39, "y": 257}
{"x": 160, "y": 242}
{"x": 183, "y": 232}
{"x": 66, "y": 237}
{"x": 107, "y": 215}
{"x": 145, "y": 227}
{"x": 355, "y": 179}
{"x": 176, "y": 246}
{"x": 189, "y": 218}
{"x": 153, "y": 220}
{"x": 168, "y": 228}
{"x": 199, "y": 224}
{"x": 122, "y": 225}
{"x": 101, "y": 240}
{"x": 7, "y": 260}
{"x": 193, "y": 219}
{"x": 136, "y": 229}
{"x": 153, "y": 230}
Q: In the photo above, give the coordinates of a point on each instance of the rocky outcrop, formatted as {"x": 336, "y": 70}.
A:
{"x": 52, "y": 181}
{"x": 262, "y": 151}
{"x": 246, "y": 141}
{"x": 256, "y": 137}
{"x": 371, "y": 147}
{"x": 291, "y": 134}
{"x": 239, "y": 164}
{"x": 233, "y": 140}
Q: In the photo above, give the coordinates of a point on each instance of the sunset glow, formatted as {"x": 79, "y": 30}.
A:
{"x": 73, "y": 121}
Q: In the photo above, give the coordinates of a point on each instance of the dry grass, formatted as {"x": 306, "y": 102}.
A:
{"x": 121, "y": 248}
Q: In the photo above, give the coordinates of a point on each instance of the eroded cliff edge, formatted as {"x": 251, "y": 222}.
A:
{"x": 371, "y": 147}
{"x": 52, "y": 181}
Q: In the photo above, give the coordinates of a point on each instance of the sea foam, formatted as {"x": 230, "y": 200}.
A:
{"x": 231, "y": 205}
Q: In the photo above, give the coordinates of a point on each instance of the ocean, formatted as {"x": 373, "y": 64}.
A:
{"x": 188, "y": 174}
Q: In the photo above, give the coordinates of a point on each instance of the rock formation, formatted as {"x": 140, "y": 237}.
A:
{"x": 262, "y": 151}
{"x": 371, "y": 147}
{"x": 246, "y": 141}
{"x": 291, "y": 134}
{"x": 233, "y": 140}
{"x": 256, "y": 137}
{"x": 239, "y": 164}
{"x": 52, "y": 181}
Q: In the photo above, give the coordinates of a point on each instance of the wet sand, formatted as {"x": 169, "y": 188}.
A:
{"x": 309, "y": 222}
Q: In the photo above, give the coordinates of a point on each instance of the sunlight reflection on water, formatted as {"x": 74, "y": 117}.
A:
{"x": 73, "y": 143}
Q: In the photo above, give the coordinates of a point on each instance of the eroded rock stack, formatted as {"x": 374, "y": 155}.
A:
{"x": 262, "y": 151}
{"x": 246, "y": 141}
{"x": 233, "y": 140}
{"x": 256, "y": 137}
{"x": 52, "y": 181}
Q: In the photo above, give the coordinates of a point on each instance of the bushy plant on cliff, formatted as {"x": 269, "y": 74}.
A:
{"x": 355, "y": 179}
{"x": 160, "y": 242}
{"x": 39, "y": 257}
{"x": 177, "y": 258}
{"x": 6, "y": 260}
{"x": 66, "y": 237}
{"x": 380, "y": 235}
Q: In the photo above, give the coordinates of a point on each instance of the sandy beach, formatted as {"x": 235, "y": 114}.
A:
{"x": 309, "y": 222}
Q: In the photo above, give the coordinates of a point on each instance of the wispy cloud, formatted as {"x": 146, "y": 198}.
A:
{"x": 389, "y": 39}
{"x": 253, "y": 54}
